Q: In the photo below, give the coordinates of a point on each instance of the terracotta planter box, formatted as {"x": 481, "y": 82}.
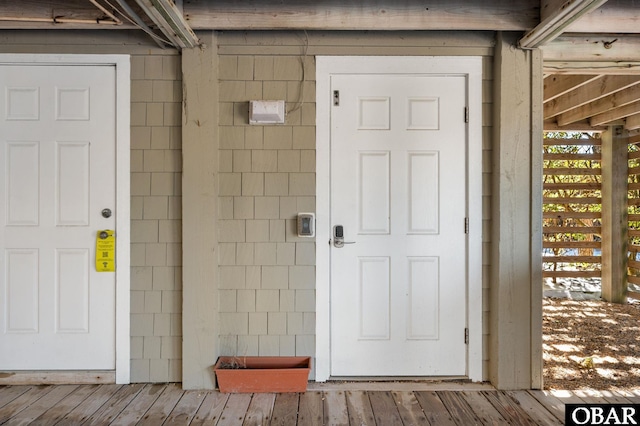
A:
{"x": 255, "y": 374}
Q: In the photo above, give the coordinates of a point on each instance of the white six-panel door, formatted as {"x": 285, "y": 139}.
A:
{"x": 57, "y": 173}
{"x": 398, "y": 188}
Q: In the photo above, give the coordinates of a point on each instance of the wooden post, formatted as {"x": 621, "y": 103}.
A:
{"x": 614, "y": 215}
{"x": 516, "y": 228}
{"x": 199, "y": 213}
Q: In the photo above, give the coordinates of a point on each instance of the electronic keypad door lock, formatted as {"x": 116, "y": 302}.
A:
{"x": 338, "y": 237}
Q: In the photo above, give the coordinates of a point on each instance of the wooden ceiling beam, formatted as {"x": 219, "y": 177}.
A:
{"x": 588, "y": 93}
{"x": 630, "y": 95}
{"x": 632, "y": 122}
{"x": 615, "y": 114}
{"x": 593, "y": 47}
{"x": 616, "y": 16}
{"x": 556, "y": 85}
{"x": 559, "y": 17}
{"x": 515, "y": 15}
{"x": 171, "y": 22}
{"x": 582, "y": 126}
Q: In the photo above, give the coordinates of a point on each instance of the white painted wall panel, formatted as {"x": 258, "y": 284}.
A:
{"x": 423, "y": 113}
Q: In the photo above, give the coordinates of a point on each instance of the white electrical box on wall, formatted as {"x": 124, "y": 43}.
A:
{"x": 266, "y": 112}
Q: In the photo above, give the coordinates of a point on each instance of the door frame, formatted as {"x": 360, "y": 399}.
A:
{"x": 122, "y": 211}
{"x": 471, "y": 68}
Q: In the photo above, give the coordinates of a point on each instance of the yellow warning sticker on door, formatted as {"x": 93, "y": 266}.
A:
{"x": 106, "y": 251}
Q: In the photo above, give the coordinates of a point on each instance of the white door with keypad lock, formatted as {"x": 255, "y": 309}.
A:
{"x": 58, "y": 190}
{"x": 398, "y": 206}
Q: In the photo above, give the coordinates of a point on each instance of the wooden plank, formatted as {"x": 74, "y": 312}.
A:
{"x": 631, "y": 94}
{"x": 571, "y": 229}
{"x": 571, "y": 215}
{"x": 508, "y": 408}
{"x": 578, "y": 126}
{"x": 633, "y": 264}
{"x": 591, "y": 92}
{"x": 384, "y": 408}
{"x": 200, "y": 326}
{"x": 553, "y": 404}
{"x": 533, "y": 408}
{"x": 571, "y": 244}
{"x": 571, "y": 186}
{"x": 335, "y": 408}
{"x": 359, "y": 408}
{"x": 21, "y": 402}
{"x": 633, "y": 155}
{"x": 37, "y": 408}
{"x": 571, "y": 259}
{"x": 571, "y": 274}
{"x": 57, "y": 377}
{"x": 633, "y": 186}
{"x": 558, "y": 85}
{"x": 90, "y": 405}
{"x": 571, "y": 171}
{"x": 571, "y": 142}
{"x": 459, "y": 408}
{"x": 434, "y": 409}
{"x": 211, "y": 409}
{"x": 162, "y": 407}
{"x": 517, "y": 15}
{"x": 9, "y": 393}
{"x": 634, "y": 217}
{"x": 56, "y": 413}
{"x": 409, "y": 408}
{"x": 614, "y": 213}
{"x": 186, "y": 408}
{"x": 138, "y": 407}
{"x": 631, "y": 279}
{"x": 260, "y": 409}
{"x": 107, "y": 412}
{"x": 235, "y": 410}
{"x": 484, "y": 411}
{"x": 285, "y": 409}
{"x": 310, "y": 409}
{"x": 547, "y": 156}
{"x": 615, "y": 114}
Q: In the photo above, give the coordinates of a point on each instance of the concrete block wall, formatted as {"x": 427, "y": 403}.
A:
{"x": 267, "y": 176}
{"x": 156, "y": 213}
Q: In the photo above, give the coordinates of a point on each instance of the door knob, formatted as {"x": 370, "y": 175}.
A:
{"x": 338, "y": 237}
{"x": 106, "y": 213}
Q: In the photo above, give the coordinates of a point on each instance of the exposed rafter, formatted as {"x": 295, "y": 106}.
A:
{"x": 170, "y": 21}
{"x": 556, "y": 23}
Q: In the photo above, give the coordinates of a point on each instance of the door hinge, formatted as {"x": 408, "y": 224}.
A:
{"x": 466, "y": 225}
{"x": 466, "y": 336}
{"x": 466, "y": 114}
{"x": 336, "y": 98}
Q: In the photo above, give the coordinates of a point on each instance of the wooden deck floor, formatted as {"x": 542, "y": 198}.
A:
{"x": 168, "y": 404}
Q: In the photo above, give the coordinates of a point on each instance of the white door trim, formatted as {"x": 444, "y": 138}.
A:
{"x": 123, "y": 91}
{"x": 471, "y": 67}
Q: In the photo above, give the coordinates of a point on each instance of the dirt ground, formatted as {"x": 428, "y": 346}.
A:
{"x": 591, "y": 344}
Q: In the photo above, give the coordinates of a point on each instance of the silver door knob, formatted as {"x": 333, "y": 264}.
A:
{"x": 106, "y": 213}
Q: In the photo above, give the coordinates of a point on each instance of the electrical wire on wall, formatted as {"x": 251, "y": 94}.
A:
{"x": 303, "y": 59}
